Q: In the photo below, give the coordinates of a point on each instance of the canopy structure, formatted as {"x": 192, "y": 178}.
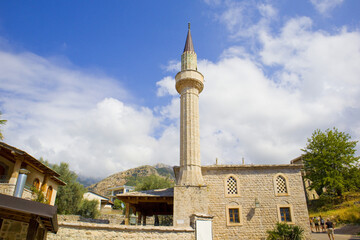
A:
{"x": 148, "y": 203}
{"x": 40, "y": 217}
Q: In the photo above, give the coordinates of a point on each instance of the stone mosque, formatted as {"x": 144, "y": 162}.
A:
{"x": 222, "y": 201}
{"x": 208, "y": 202}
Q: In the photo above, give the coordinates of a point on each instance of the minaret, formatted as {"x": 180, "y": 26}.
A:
{"x": 190, "y": 192}
{"x": 189, "y": 84}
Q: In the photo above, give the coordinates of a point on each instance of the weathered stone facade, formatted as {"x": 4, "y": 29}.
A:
{"x": 254, "y": 182}
{"x": 189, "y": 200}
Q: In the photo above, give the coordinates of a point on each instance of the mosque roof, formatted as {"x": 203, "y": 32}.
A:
{"x": 167, "y": 192}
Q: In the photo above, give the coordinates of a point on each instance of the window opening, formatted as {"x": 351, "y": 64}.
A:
{"x": 234, "y": 215}
{"x": 285, "y": 214}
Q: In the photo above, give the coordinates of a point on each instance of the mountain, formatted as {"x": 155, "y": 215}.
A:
{"x": 121, "y": 178}
{"x": 87, "y": 181}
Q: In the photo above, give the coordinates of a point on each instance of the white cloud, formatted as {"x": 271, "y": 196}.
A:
{"x": 267, "y": 117}
{"x": 324, "y": 6}
{"x": 64, "y": 114}
{"x": 166, "y": 86}
{"x": 259, "y": 106}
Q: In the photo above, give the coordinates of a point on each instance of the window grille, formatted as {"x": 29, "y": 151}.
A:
{"x": 231, "y": 186}
{"x": 281, "y": 185}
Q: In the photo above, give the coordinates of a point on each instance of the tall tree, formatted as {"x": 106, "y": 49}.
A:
{"x": 68, "y": 197}
{"x": 330, "y": 162}
{"x": 2, "y": 122}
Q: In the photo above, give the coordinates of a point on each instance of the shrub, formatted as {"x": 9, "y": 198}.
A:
{"x": 282, "y": 231}
{"x": 89, "y": 208}
{"x": 118, "y": 204}
{"x": 38, "y": 195}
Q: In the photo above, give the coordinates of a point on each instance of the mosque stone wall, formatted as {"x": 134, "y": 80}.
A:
{"x": 254, "y": 182}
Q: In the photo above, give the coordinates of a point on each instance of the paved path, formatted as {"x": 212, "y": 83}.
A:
{"x": 324, "y": 236}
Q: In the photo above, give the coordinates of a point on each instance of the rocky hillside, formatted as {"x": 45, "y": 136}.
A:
{"x": 120, "y": 178}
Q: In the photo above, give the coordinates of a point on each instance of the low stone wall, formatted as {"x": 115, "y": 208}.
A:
{"x": 7, "y": 189}
{"x": 113, "y": 219}
{"x": 80, "y": 231}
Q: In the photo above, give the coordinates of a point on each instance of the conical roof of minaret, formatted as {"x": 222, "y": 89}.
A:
{"x": 189, "y": 46}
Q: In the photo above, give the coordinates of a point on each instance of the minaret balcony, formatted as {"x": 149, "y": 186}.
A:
{"x": 189, "y": 78}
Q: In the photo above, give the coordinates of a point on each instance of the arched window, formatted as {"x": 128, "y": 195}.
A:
{"x": 281, "y": 185}
{"x": 36, "y": 183}
{"x": 49, "y": 193}
{"x": 231, "y": 186}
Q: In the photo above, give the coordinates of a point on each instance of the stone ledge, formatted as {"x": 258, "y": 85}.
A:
{"x": 113, "y": 227}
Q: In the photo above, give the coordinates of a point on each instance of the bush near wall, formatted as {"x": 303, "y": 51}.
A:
{"x": 88, "y": 208}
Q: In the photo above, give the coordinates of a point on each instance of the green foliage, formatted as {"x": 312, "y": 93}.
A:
{"x": 118, "y": 204}
{"x": 166, "y": 172}
{"x": 283, "y": 231}
{"x": 39, "y": 195}
{"x": 2, "y": 122}
{"x": 330, "y": 162}
{"x": 132, "y": 180}
{"x": 68, "y": 197}
{"x": 344, "y": 209}
{"x": 153, "y": 182}
{"x": 89, "y": 208}
{"x": 45, "y": 162}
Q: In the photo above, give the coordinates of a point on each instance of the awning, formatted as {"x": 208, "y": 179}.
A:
{"x": 23, "y": 210}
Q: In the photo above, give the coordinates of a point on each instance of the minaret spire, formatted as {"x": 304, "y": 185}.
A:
{"x": 189, "y": 46}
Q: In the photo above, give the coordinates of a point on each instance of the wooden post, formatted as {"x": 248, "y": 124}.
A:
{"x": 144, "y": 220}
{"x": 127, "y": 213}
{"x": 32, "y": 229}
{"x": 139, "y": 218}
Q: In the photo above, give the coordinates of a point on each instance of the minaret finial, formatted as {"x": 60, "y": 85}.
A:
{"x": 189, "y": 26}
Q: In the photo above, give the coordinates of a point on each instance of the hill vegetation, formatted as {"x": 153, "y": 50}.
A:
{"x": 131, "y": 177}
{"x": 344, "y": 209}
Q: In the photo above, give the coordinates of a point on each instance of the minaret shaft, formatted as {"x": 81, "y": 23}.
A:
{"x": 189, "y": 84}
{"x": 190, "y": 191}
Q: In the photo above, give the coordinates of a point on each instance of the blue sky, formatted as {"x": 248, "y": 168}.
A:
{"x": 89, "y": 82}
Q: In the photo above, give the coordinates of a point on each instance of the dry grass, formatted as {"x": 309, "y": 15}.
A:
{"x": 347, "y": 211}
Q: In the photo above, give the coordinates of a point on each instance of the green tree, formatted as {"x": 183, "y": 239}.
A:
{"x": 153, "y": 182}
{"x": 330, "y": 162}
{"x": 2, "y": 122}
{"x": 118, "y": 204}
{"x": 68, "y": 197}
{"x": 89, "y": 208}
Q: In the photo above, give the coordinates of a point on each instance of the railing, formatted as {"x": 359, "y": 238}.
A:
{"x": 28, "y": 187}
{"x": 4, "y": 179}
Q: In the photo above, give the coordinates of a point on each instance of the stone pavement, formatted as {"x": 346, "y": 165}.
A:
{"x": 324, "y": 236}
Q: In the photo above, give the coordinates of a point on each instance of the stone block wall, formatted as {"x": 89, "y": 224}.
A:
{"x": 254, "y": 183}
{"x": 189, "y": 200}
{"x": 82, "y": 231}
{"x": 11, "y": 229}
{"x": 7, "y": 189}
